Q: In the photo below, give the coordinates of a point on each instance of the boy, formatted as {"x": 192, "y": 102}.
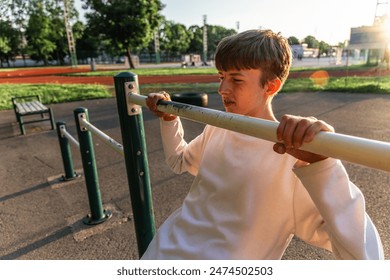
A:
{"x": 249, "y": 196}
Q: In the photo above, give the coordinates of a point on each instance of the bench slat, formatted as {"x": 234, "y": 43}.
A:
{"x": 21, "y": 108}
{"x": 30, "y": 107}
{"x": 27, "y": 107}
{"x": 38, "y": 106}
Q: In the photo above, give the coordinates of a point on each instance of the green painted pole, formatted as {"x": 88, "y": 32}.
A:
{"x": 98, "y": 214}
{"x": 66, "y": 153}
{"x": 133, "y": 139}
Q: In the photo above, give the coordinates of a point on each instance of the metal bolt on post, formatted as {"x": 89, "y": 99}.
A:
{"x": 98, "y": 214}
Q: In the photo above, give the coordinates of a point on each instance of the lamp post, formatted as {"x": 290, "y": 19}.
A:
{"x": 204, "y": 39}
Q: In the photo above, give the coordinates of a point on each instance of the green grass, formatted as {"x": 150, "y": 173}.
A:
{"x": 51, "y": 93}
{"x": 344, "y": 84}
{"x": 335, "y": 68}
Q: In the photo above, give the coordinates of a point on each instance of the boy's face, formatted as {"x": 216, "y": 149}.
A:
{"x": 242, "y": 93}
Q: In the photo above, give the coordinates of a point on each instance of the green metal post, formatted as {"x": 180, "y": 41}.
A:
{"x": 98, "y": 214}
{"x": 133, "y": 139}
{"x": 66, "y": 154}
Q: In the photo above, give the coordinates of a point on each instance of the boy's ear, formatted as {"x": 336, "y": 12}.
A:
{"x": 273, "y": 86}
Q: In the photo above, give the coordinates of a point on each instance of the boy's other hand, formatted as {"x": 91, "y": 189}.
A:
{"x": 153, "y": 99}
{"x": 294, "y": 131}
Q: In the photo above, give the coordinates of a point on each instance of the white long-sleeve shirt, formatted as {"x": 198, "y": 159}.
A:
{"x": 247, "y": 202}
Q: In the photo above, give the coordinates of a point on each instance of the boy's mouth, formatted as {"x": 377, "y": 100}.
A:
{"x": 228, "y": 102}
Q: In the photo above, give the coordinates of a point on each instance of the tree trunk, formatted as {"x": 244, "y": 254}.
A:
{"x": 130, "y": 60}
{"x": 24, "y": 60}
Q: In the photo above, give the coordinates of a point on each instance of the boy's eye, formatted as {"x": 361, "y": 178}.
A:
{"x": 237, "y": 80}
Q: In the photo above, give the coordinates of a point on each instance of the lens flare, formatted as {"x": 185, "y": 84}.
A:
{"x": 320, "y": 78}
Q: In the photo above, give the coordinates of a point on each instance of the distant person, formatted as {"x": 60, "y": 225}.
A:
{"x": 250, "y": 196}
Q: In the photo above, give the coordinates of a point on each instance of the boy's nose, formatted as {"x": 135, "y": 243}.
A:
{"x": 223, "y": 88}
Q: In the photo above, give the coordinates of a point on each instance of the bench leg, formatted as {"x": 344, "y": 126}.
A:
{"x": 21, "y": 124}
{"x": 51, "y": 118}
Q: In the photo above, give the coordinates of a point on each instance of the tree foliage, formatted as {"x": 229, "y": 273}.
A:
{"x": 127, "y": 24}
{"x": 9, "y": 42}
{"x": 293, "y": 40}
{"x": 324, "y": 48}
{"x": 215, "y": 34}
{"x": 174, "y": 37}
{"x": 39, "y": 33}
{"x": 196, "y": 43}
{"x": 36, "y": 28}
{"x": 311, "y": 42}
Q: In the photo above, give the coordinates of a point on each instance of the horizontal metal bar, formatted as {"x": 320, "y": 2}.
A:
{"x": 35, "y": 121}
{"x": 65, "y": 133}
{"x": 367, "y": 152}
{"x": 106, "y": 139}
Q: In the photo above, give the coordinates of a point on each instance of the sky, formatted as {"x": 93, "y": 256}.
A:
{"x": 326, "y": 20}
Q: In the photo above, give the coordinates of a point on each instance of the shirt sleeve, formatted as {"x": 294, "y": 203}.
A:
{"x": 337, "y": 218}
{"x": 179, "y": 155}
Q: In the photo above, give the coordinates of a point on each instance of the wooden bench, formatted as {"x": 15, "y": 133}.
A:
{"x": 31, "y": 105}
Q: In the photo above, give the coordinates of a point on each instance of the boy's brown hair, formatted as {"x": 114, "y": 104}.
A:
{"x": 255, "y": 49}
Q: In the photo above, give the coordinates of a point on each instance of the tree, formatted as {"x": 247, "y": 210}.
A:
{"x": 9, "y": 42}
{"x": 196, "y": 43}
{"x": 215, "y": 34}
{"x": 324, "y": 48}
{"x": 311, "y": 42}
{"x": 39, "y": 34}
{"x": 16, "y": 11}
{"x": 87, "y": 46}
{"x": 55, "y": 11}
{"x": 293, "y": 40}
{"x": 174, "y": 38}
{"x": 127, "y": 24}
{"x": 45, "y": 30}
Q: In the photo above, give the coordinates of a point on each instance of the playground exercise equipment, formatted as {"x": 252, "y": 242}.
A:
{"x": 85, "y": 144}
{"x": 371, "y": 153}
{"x": 135, "y": 155}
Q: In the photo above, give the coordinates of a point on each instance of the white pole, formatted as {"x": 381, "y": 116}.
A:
{"x": 69, "y": 136}
{"x": 106, "y": 139}
{"x": 371, "y": 153}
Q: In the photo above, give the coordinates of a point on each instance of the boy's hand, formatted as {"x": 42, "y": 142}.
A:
{"x": 152, "y": 100}
{"x": 294, "y": 131}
